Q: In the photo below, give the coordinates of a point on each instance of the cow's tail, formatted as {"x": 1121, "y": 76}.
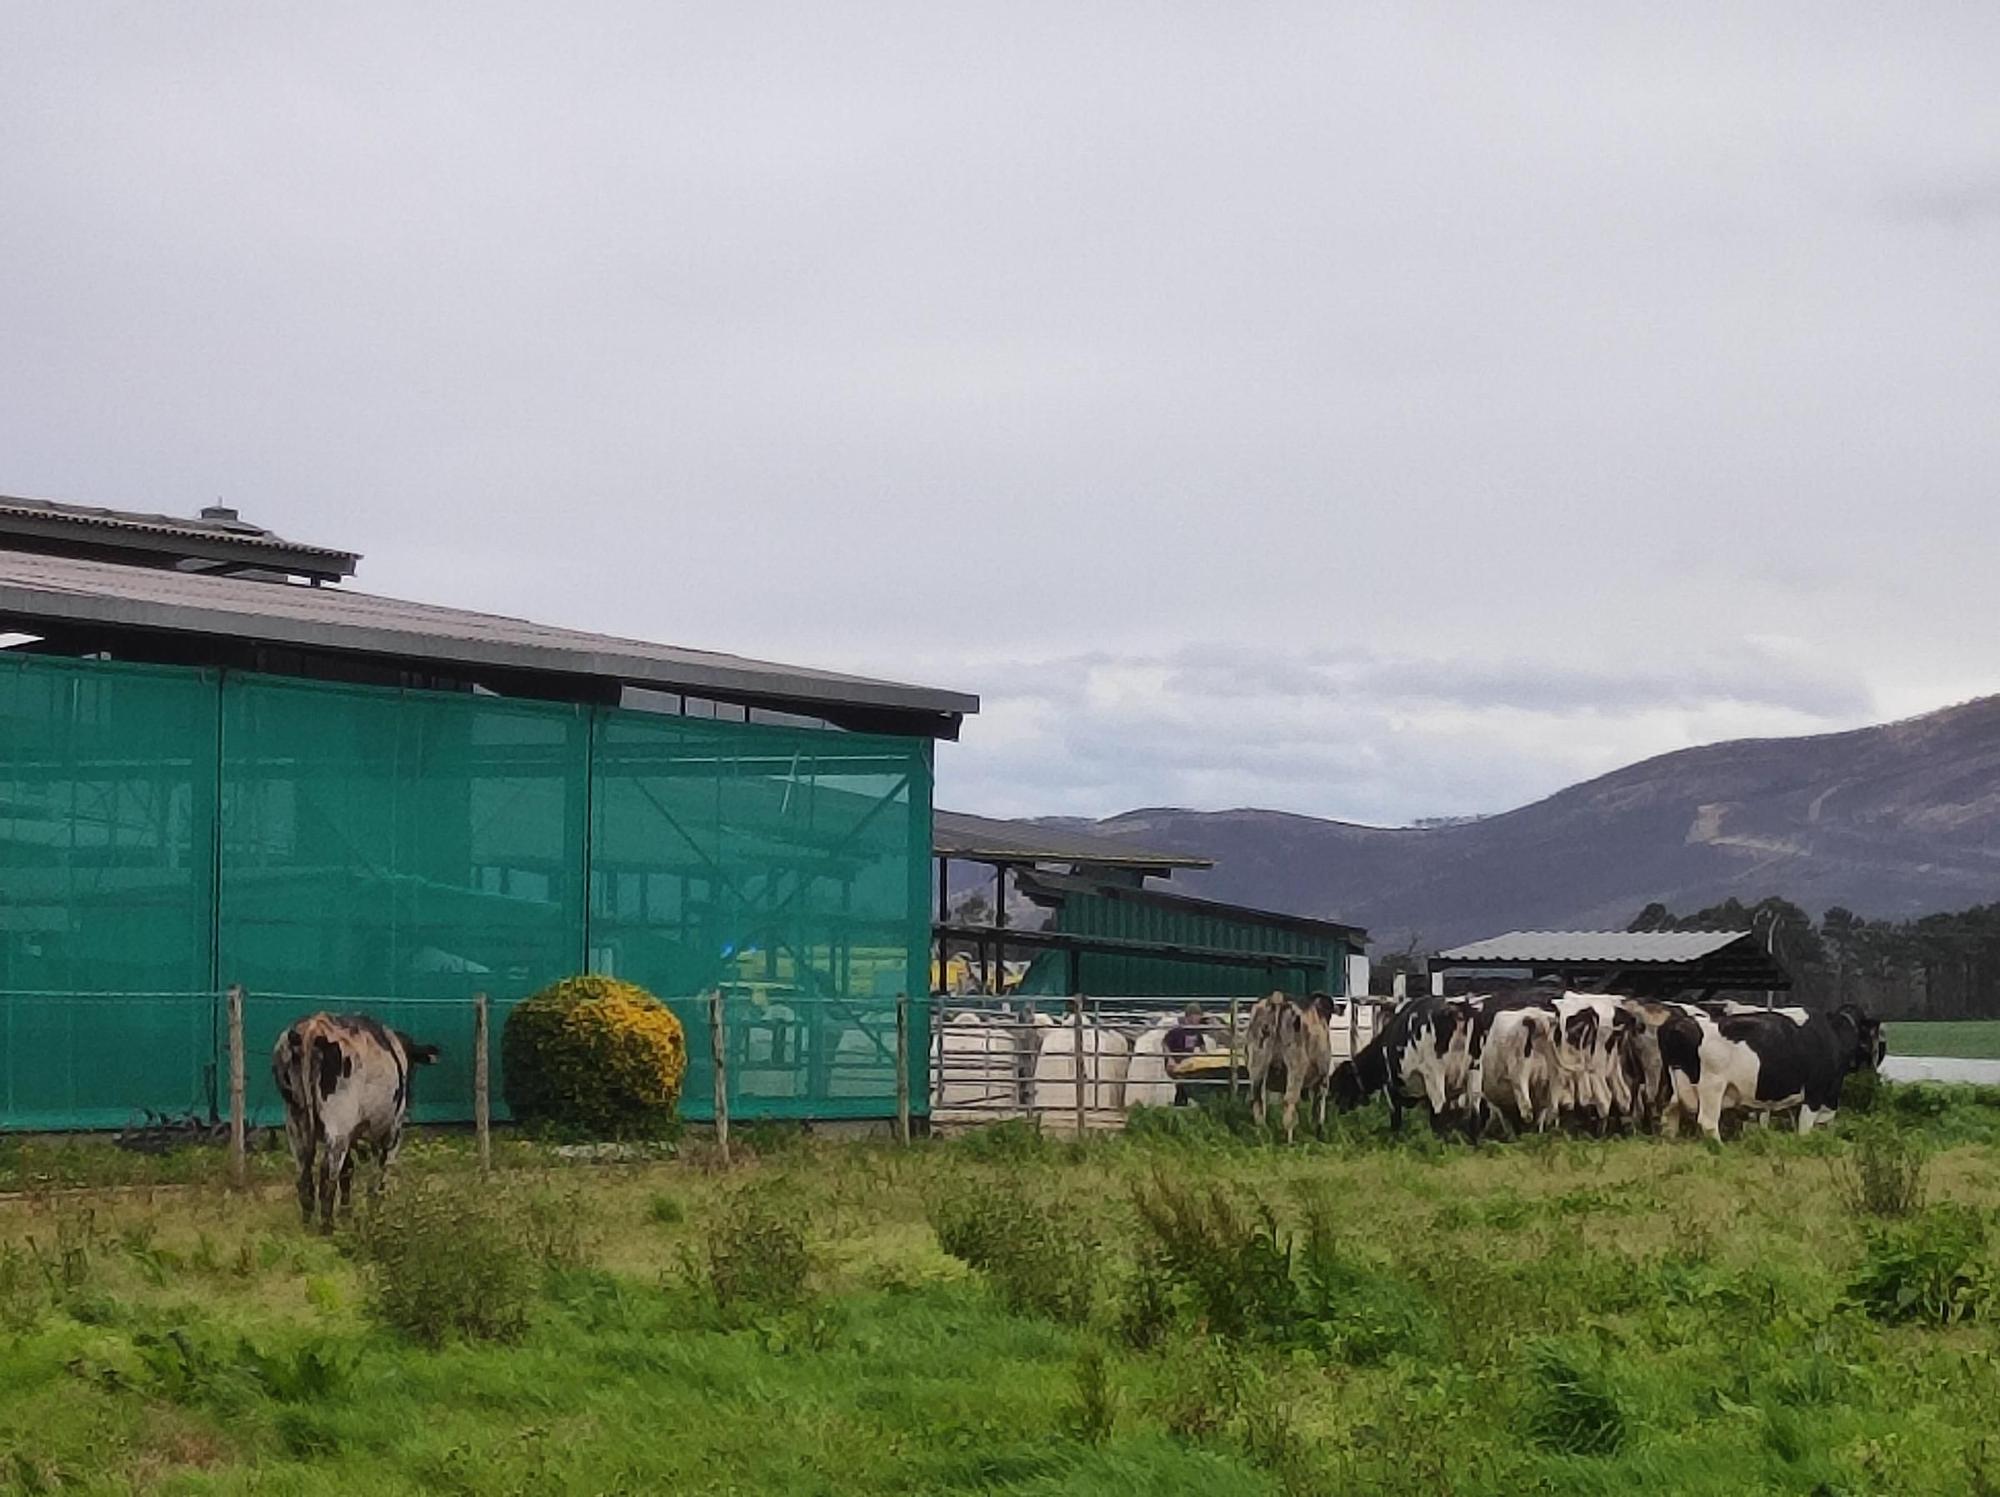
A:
{"x": 290, "y": 1069}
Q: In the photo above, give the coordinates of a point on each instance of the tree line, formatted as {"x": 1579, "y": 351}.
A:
{"x": 1941, "y": 966}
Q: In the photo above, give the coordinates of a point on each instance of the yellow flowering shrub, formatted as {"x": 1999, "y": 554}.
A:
{"x": 596, "y": 1056}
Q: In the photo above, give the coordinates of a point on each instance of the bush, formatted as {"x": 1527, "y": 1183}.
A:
{"x": 1884, "y": 1176}
{"x": 754, "y": 1258}
{"x": 594, "y": 1056}
{"x": 447, "y": 1258}
{"x": 1930, "y": 1269}
{"x": 1571, "y": 1406}
{"x": 1039, "y": 1263}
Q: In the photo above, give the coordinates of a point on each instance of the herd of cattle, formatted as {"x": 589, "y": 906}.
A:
{"x": 1524, "y": 1060}
{"x": 1508, "y": 1062}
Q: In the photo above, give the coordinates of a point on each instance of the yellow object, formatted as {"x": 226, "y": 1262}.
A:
{"x": 594, "y": 1053}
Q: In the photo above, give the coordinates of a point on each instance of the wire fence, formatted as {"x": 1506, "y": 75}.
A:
{"x": 83, "y": 1061}
{"x": 98, "y": 1061}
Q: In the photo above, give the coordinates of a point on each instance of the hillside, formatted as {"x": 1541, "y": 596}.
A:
{"x": 1891, "y": 821}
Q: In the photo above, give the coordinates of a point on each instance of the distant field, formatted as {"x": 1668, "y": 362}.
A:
{"x": 1970, "y": 1039}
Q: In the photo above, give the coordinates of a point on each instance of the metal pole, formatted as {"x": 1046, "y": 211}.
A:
{"x": 239, "y": 1163}
{"x": 1077, "y": 1001}
{"x": 1353, "y": 1025}
{"x": 721, "y": 1074}
{"x": 902, "y": 1068}
{"x": 482, "y": 1099}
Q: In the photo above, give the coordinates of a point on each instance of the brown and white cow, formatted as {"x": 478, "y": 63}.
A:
{"x": 1290, "y": 1044}
{"x": 345, "y": 1079}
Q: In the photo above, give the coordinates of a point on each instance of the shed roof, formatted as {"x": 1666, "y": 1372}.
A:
{"x": 1525, "y": 946}
{"x": 36, "y": 588}
{"x": 218, "y": 537}
{"x": 956, "y": 834}
{"x": 1651, "y": 959}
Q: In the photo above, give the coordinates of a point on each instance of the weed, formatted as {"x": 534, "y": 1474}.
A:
{"x": 1146, "y": 1313}
{"x": 1230, "y": 1262}
{"x": 66, "y": 1263}
{"x": 663, "y": 1210}
{"x": 1011, "y": 1141}
{"x": 1093, "y": 1412}
{"x": 310, "y": 1373}
{"x": 1884, "y": 1175}
{"x": 1364, "y": 1316}
{"x": 1039, "y": 1262}
{"x": 447, "y": 1258}
{"x": 1571, "y": 1406}
{"x": 1930, "y": 1268}
{"x": 754, "y": 1257}
{"x": 20, "y": 1289}
{"x": 1861, "y": 1093}
{"x": 555, "y": 1226}
{"x": 1206, "y": 1395}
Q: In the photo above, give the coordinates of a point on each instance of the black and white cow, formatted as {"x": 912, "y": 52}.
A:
{"x": 1422, "y": 1054}
{"x": 345, "y": 1080}
{"x": 1764, "y": 1062}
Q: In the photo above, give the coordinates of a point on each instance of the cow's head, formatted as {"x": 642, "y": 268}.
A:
{"x": 420, "y": 1055}
{"x": 1348, "y": 1093}
{"x": 1870, "y": 1047}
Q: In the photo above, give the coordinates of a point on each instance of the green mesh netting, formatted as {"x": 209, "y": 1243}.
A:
{"x": 168, "y": 832}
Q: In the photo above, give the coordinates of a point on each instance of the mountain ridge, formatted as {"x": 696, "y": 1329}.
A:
{"x": 1891, "y": 820}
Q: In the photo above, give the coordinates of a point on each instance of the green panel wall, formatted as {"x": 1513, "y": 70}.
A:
{"x": 1110, "y": 975}
{"x": 107, "y": 790}
{"x": 397, "y": 845}
{"x": 164, "y": 833}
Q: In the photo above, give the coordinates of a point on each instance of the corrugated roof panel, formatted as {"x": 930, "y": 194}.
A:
{"x": 1523, "y": 946}
{"x": 959, "y": 835}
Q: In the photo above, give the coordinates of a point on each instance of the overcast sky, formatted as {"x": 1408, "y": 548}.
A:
{"x": 1372, "y": 412}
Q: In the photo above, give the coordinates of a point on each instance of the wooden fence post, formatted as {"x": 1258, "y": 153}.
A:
{"x": 1079, "y": 1065}
{"x": 239, "y": 1163}
{"x": 482, "y": 1098}
{"x": 1235, "y": 1087}
{"x": 903, "y": 1068}
{"x": 715, "y": 1043}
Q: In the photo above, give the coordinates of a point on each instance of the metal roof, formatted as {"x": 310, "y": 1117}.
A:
{"x": 60, "y": 589}
{"x": 218, "y": 535}
{"x": 956, "y": 834}
{"x": 1523, "y": 947}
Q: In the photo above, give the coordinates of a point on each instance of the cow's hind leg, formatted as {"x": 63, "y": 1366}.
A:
{"x": 1291, "y": 1110}
{"x": 332, "y": 1165}
{"x": 388, "y": 1157}
{"x": 301, "y": 1140}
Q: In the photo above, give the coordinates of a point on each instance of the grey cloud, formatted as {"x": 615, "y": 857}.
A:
{"x": 1430, "y": 399}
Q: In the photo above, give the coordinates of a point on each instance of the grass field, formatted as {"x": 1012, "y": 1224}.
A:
{"x": 1180, "y": 1310}
{"x": 1970, "y": 1039}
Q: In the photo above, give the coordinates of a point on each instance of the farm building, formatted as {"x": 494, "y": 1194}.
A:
{"x": 1078, "y": 904}
{"x": 1647, "y": 964}
{"x": 221, "y": 766}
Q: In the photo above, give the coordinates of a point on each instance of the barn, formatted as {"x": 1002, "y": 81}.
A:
{"x": 223, "y": 765}
{"x": 1096, "y": 914}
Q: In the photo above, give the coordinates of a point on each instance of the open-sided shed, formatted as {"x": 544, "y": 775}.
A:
{"x": 1640, "y": 963}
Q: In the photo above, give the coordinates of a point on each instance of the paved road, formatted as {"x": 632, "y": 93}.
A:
{"x": 1940, "y": 1068}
